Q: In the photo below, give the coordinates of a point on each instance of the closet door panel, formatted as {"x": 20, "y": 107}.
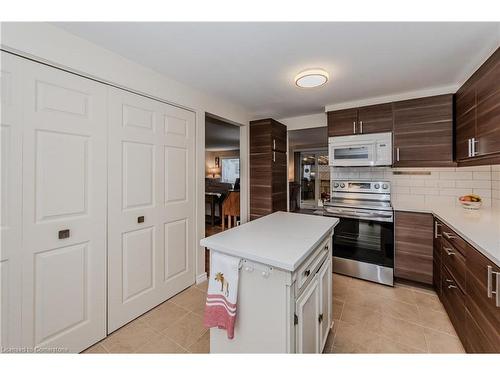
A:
{"x": 64, "y": 209}
{"x": 10, "y": 201}
{"x": 151, "y": 204}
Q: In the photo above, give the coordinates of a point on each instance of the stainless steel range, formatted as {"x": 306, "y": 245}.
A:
{"x": 363, "y": 243}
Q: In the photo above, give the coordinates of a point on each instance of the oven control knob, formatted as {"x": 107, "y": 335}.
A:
{"x": 385, "y": 186}
{"x": 336, "y": 185}
{"x": 342, "y": 185}
{"x": 377, "y": 186}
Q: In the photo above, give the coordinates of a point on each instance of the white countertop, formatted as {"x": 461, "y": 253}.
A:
{"x": 282, "y": 239}
{"x": 481, "y": 228}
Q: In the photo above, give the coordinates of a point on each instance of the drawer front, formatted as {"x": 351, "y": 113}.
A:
{"x": 454, "y": 239}
{"x": 454, "y": 261}
{"x": 454, "y": 302}
{"x": 306, "y": 272}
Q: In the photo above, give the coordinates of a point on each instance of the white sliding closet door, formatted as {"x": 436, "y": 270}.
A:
{"x": 151, "y": 208}
{"x": 10, "y": 203}
{"x": 64, "y": 209}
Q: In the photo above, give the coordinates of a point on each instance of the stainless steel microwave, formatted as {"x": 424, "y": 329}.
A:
{"x": 360, "y": 150}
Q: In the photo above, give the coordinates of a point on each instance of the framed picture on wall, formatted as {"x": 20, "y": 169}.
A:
{"x": 217, "y": 161}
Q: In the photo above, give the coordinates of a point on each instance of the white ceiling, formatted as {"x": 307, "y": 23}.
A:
{"x": 253, "y": 64}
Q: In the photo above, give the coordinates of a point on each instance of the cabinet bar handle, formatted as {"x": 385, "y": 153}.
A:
{"x": 361, "y": 127}
{"x": 470, "y": 147}
{"x": 274, "y": 144}
{"x": 490, "y": 282}
{"x": 497, "y": 289}
{"x": 448, "y": 235}
{"x": 473, "y": 142}
{"x": 436, "y": 226}
{"x": 449, "y": 251}
{"x": 452, "y": 286}
{"x": 274, "y": 156}
{"x": 354, "y": 127}
{"x": 397, "y": 153}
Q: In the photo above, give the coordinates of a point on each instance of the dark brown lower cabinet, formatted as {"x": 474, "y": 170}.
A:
{"x": 483, "y": 320}
{"x": 413, "y": 258}
{"x": 467, "y": 290}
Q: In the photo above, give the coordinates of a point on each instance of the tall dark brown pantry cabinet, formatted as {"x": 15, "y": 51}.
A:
{"x": 268, "y": 170}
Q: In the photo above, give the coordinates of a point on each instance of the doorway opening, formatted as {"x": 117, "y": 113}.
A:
{"x": 222, "y": 177}
{"x": 308, "y": 173}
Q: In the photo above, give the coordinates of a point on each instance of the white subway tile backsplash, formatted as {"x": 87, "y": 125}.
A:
{"x": 400, "y": 189}
{"x": 433, "y": 185}
{"x": 439, "y": 200}
{"x": 419, "y": 190}
{"x": 481, "y": 175}
{"x": 455, "y": 175}
{"x": 455, "y": 192}
{"x": 446, "y": 183}
{"x": 477, "y": 184}
{"x": 483, "y": 193}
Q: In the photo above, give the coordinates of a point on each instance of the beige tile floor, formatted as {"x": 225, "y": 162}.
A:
{"x": 372, "y": 318}
{"x": 369, "y": 318}
{"x": 175, "y": 326}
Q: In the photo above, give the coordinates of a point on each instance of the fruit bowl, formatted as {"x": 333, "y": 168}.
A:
{"x": 471, "y": 202}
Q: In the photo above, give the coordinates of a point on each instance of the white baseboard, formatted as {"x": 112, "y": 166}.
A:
{"x": 201, "y": 278}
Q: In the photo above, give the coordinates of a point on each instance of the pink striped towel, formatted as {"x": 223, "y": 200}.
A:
{"x": 220, "y": 309}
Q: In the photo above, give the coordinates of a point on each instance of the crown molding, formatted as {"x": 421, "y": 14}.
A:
{"x": 449, "y": 89}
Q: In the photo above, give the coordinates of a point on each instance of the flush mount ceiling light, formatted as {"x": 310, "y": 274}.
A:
{"x": 311, "y": 78}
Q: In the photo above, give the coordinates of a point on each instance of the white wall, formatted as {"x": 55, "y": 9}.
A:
{"x": 47, "y": 43}
{"x": 305, "y": 122}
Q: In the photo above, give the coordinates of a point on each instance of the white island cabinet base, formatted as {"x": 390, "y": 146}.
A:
{"x": 284, "y": 303}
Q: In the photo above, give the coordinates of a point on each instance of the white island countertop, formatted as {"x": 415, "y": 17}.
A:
{"x": 481, "y": 228}
{"x": 282, "y": 239}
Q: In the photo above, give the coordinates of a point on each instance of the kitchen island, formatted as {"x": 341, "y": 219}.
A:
{"x": 285, "y": 283}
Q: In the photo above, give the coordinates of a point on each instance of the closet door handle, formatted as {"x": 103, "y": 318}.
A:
{"x": 64, "y": 233}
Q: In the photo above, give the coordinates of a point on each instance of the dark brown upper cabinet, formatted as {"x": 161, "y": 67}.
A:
{"x": 375, "y": 118}
{"x": 423, "y": 132}
{"x": 477, "y": 105}
{"x": 342, "y": 122}
{"x": 363, "y": 120}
